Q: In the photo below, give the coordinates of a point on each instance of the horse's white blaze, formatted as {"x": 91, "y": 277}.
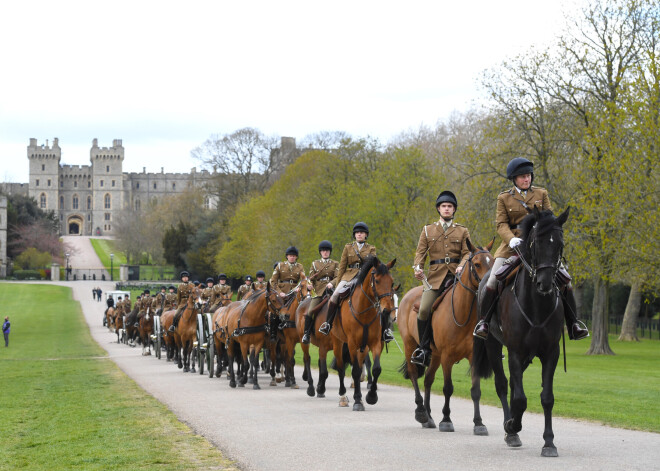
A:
{"x": 488, "y": 260}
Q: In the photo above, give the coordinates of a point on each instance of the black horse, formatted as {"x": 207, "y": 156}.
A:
{"x": 529, "y": 321}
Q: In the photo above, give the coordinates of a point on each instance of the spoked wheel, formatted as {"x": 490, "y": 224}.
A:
{"x": 200, "y": 343}
{"x": 157, "y": 341}
{"x": 210, "y": 357}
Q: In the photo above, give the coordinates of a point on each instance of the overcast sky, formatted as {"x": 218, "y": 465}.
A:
{"x": 163, "y": 76}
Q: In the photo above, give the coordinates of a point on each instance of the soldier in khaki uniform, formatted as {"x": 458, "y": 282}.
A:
{"x": 321, "y": 273}
{"x": 445, "y": 243}
{"x": 221, "y": 291}
{"x": 170, "y": 299}
{"x": 183, "y": 292}
{"x": 207, "y": 294}
{"x": 287, "y": 275}
{"x": 159, "y": 301}
{"x": 145, "y": 302}
{"x": 512, "y": 206}
{"x": 245, "y": 289}
{"x": 351, "y": 261}
{"x": 261, "y": 281}
{"x": 127, "y": 305}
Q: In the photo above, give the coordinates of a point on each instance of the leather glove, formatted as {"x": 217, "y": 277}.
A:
{"x": 515, "y": 242}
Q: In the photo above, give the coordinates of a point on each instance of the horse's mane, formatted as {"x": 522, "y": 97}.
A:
{"x": 369, "y": 263}
{"x": 545, "y": 222}
{"x": 254, "y": 295}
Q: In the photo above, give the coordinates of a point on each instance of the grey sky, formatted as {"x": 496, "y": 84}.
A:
{"x": 163, "y": 76}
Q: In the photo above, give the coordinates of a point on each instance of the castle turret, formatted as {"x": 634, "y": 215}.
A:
{"x": 107, "y": 178}
{"x": 44, "y": 173}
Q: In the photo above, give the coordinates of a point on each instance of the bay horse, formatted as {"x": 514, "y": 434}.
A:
{"x": 145, "y": 329}
{"x": 129, "y": 325}
{"x": 529, "y": 321}
{"x": 453, "y": 321}
{"x": 221, "y": 338}
{"x": 119, "y": 322}
{"x": 358, "y": 325}
{"x": 246, "y": 324}
{"x": 110, "y": 319}
{"x": 186, "y": 332}
{"x": 288, "y": 336}
{"x": 166, "y": 320}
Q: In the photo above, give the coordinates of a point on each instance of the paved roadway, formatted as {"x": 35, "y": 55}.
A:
{"x": 277, "y": 428}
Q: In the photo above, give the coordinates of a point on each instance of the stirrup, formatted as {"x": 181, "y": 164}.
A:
{"x": 325, "y": 328}
{"x": 306, "y": 338}
{"x": 580, "y": 325}
{"x": 171, "y": 329}
{"x": 388, "y": 335}
{"x": 420, "y": 357}
{"x": 481, "y": 330}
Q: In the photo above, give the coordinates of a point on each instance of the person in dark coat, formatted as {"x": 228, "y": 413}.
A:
{"x": 5, "y": 330}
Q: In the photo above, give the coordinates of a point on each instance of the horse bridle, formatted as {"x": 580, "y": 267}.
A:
{"x": 472, "y": 272}
{"x": 375, "y": 302}
{"x": 532, "y": 268}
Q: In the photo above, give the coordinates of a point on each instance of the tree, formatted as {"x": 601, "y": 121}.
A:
{"x": 32, "y": 259}
{"x": 176, "y": 244}
{"x": 29, "y": 226}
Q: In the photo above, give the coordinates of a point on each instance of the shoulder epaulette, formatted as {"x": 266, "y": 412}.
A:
{"x": 459, "y": 225}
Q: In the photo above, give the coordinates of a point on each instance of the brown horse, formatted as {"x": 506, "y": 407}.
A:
{"x": 145, "y": 329}
{"x": 288, "y": 336}
{"x": 129, "y": 325}
{"x": 453, "y": 322}
{"x": 166, "y": 320}
{"x": 358, "y": 325}
{"x": 119, "y": 322}
{"x": 185, "y": 334}
{"x": 110, "y": 319}
{"x": 246, "y": 325}
{"x": 221, "y": 337}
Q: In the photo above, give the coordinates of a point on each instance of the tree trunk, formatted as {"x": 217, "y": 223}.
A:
{"x": 629, "y": 327}
{"x": 600, "y": 344}
{"x": 578, "y": 293}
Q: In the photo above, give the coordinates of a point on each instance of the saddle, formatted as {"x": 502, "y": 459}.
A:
{"x": 507, "y": 273}
{"x": 436, "y": 303}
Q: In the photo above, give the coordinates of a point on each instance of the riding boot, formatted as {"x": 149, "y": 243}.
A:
{"x": 388, "y": 335}
{"x": 575, "y": 329}
{"x": 486, "y": 309}
{"x": 332, "y": 312}
{"x": 306, "y": 338}
{"x": 175, "y": 321}
{"x": 422, "y": 354}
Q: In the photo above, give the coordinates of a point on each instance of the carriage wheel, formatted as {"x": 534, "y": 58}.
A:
{"x": 157, "y": 342}
{"x": 210, "y": 356}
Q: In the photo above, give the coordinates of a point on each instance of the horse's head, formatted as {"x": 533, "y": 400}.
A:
{"x": 380, "y": 283}
{"x": 478, "y": 263}
{"x": 543, "y": 246}
{"x": 273, "y": 300}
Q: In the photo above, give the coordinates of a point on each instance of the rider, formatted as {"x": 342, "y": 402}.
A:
{"x": 221, "y": 291}
{"x": 182, "y": 293}
{"x": 512, "y": 206}
{"x": 245, "y": 288}
{"x": 351, "y": 260}
{"x": 170, "y": 298}
{"x": 320, "y": 274}
{"x": 445, "y": 243}
{"x": 145, "y": 303}
{"x": 158, "y": 303}
{"x": 261, "y": 281}
{"x": 127, "y": 304}
{"x": 287, "y": 277}
{"x": 207, "y": 292}
{"x": 111, "y": 303}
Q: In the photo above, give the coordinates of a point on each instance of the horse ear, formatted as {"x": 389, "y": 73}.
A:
{"x": 490, "y": 246}
{"x": 470, "y": 247}
{"x": 537, "y": 212}
{"x": 398, "y": 287}
{"x": 563, "y": 217}
{"x": 268, "y": 287}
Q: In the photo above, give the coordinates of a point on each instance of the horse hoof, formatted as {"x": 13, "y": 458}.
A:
{"x": 256, "y": 386}
{"x": 372, "y": 397}
{"x": 430, "y": 423}
{"x": 273, "y": 383}
{"x": 358, "y": 406}
{"x": 512, "y": 440}
{"x": 310, "y": 391}
{"x": 421, "y": 416}
{"x": 445, "y": 427}
{"x": 279, "y": 380}
{"x": 241, "y": 384}
{"x": 321, "y": 395}
{"x": 480, "y": 430}
{"x": 287, "y": 384}
{"x": 179, "y": 366}
{"x": 509, "y": 428}
{"x": 295, "y": 386}
{"x": 343, "y": 401}
{"x": 232, "y": 384}
{"x": 549, "y": 452}
{"x": 250, "y": 380}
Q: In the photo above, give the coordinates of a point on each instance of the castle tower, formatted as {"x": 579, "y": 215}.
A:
{"x": 44, "y": 173}
{"x": 107, "y": 187}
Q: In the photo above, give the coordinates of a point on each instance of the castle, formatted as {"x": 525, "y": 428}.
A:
{"x": 89, "y": 198}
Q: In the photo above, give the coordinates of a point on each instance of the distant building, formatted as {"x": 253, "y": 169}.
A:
{"x": 88, "y": 198}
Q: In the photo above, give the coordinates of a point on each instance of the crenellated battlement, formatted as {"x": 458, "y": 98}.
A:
{"x": 44, "y": 151}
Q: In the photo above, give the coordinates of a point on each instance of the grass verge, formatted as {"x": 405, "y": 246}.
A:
{"x": 619, "y": 390}
{"x": 67, "y": 406}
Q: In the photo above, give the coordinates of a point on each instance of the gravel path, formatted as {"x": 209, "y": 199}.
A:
{"x": 278, "y": 428}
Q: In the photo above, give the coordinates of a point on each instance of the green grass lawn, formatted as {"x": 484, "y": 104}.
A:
{"x": 620, "y": 390}
{"x": 65, "y": 405}
{"x": 105, "y": 247}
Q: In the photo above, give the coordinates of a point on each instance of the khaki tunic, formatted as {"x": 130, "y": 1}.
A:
{"x": 145, "y": 302}
{"x": 220, "y": 292}
{"x": 349, "y": 259}
{"x": 127, "y": 305}
{"x": 243, "y": 291}
{"x": 510, "y": 213}
{"x": 259, "y": 284}
{"x": 183, "y": 292}
{"x": 286, "y": 276}
{"x": 440, "y": 247}
{"x": 170, "y": 301}
{"x": 207, "y": 294}
{"x": 321, "y": 273}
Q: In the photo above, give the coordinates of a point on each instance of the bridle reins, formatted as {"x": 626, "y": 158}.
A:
{"x": 472, "y": 272}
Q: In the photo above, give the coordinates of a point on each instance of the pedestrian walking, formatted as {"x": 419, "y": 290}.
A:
{"x": 5, "y": 330}
{"x": 94, "y": 293}
{"x": 98, "y": 294}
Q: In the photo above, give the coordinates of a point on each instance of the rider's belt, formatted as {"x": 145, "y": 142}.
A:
{"x": 355, "y": 265}
{"x": 513, "y": 227}
{"x": 446, "y": 260}
{"x": 287, "y": 281}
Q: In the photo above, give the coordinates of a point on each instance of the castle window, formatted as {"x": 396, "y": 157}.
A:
{"x": 107, "y": 216}
{"x": 113, "y": 183}
{"x": 61, "y": 183}
{"x": 89, "y": 202}
{"x": 107, "y": 201}
{"x": 89, "y": 217}
{"x": 107, "y": 168}
{"x": 89, "y": 184}
{"x": 101, "y": 183}
{"x": 174, "y": 186}
{"x": 137, "y": 205}
{"x": 154, "y": 185}
{"x": 61, "y": 202}
{"x": 49, "y": 182}
{"x": 137, "y": 185}
{"x": 43, "y": 168}
{"x": 109, "y": 227}
{"x": 42, "y": 201}
{"x": 75, "y": 184}
{"x": 207, "y": 202}
{"x": 37, "y": 182}
{"x": 75, "y": 201}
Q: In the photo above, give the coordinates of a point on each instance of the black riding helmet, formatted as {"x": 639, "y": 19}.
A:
{"x": 146, "y": 291}
{"x": 162, "y": 288}
{"x": 446, "y": 197}
{"x": 248, "y": 277}
{"x": 184, "y": 273}
{"x": 261, "y": 273}
{"x": 172, "y": 287}
{"x": 292, "y": 251}
{"x": 360, "y": 227}
{"x": 325, "y": 245}
{"x": 196, "y": 282}
{"x": 222, "y": 276}
{"x": 209, "y": 280}
{"x": 519, "y": 166}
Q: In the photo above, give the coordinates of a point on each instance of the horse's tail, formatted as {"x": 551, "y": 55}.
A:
{"x": 480, "y": 363}
{"x": 403, "y": 369}
{"x": 346, "y": 357}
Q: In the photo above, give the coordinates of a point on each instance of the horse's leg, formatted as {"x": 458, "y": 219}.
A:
{"x": 356, "y": 372}
{"x": 429, "y": 378}
{"x": 254, "y": 360}
{"x": 518, "y": 399}
{"x": 245, "y": 350}
{"x": 372, "y": 385}
{"x": 323, "y": 372}
{"x": 272, "y": 355}
{"x": 549, "y": 364}
{"x": 230, "y": 364}
{"x": 186, "y": 356}
{"x": 307, "y": 370}
{"x": 367, "y": 366}
{"x": 446, "y": 424}
{"x": 475, "y": 393}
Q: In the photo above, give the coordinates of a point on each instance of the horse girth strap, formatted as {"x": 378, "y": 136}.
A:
{"x": 288, "y": 324}
{"x": 254, "y": 329}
